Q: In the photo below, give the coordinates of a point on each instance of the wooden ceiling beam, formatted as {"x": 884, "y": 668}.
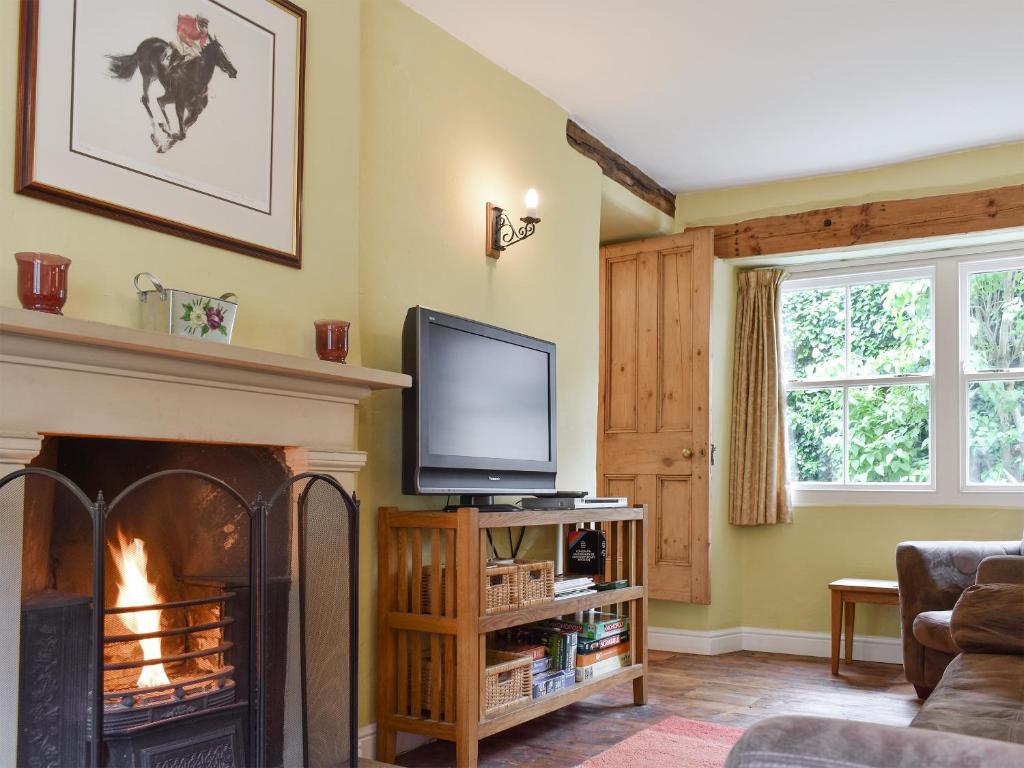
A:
{"x": 877, "y": 222}
{"x": 617, "y": 168}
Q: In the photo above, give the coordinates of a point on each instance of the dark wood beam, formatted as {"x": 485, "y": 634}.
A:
{"x": 876, "y": 222}
{"x": 617, "y": 168}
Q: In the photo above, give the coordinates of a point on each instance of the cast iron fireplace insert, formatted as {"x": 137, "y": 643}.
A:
{"x": 196, "y": 678}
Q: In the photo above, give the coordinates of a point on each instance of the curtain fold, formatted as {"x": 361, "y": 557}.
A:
{"x": 758, "y": 493}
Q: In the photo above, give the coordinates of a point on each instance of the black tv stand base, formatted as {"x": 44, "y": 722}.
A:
{"x": 483, "y": 503}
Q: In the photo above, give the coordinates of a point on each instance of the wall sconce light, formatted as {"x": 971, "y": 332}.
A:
{"x": 501, "y": 232}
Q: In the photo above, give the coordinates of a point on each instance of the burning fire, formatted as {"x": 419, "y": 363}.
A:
{"x": 134, "y": 588}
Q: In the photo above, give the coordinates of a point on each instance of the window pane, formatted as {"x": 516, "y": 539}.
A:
{"x": 995, "y": 418}
{"x": 814, "y": 333}
{"x": 996, "y": 320}
{"x": 890, "y": 328}
{"x": 889, "y": 434}
{"x": 815, "y": 420}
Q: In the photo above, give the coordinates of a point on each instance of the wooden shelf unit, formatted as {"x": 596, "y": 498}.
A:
{"x": 430, "y": 584}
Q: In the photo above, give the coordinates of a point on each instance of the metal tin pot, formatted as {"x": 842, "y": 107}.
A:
{"x": 183, "y": 313}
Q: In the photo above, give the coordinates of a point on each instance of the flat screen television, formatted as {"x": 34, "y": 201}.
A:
{"x": 479, "y": 420}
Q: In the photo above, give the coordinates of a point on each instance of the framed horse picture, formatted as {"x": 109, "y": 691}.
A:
{"x": 184, "y": 116}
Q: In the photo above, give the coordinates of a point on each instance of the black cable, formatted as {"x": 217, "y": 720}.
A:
{"x": 519, "y": 542}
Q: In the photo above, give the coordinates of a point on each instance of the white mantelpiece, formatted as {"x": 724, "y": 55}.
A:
{"x": 62, "y": 376}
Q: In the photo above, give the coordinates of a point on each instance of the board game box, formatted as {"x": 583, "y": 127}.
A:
{"x": 602, "y": 667}
{"x": 593, "y": 624}
{"x": 555, "y": 680}
{"x": 589, "y": 646}
{"x": 595, "y": 657}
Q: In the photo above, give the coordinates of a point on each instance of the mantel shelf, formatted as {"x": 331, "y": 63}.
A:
{"x": 42, "y": 326}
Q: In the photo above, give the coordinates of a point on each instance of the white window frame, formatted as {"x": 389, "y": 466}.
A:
{"x": 848, "y": 281}
{"x": 948, "y": 421}
{"x": 967, "y": 376}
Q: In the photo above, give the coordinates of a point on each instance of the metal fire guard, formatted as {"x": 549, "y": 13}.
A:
{"x": 313, "y": 510}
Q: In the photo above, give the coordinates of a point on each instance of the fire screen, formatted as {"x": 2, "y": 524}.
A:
{"x": 148, "y": 640}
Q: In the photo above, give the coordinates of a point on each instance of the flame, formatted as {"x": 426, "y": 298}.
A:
{"x": 134, "y": 588}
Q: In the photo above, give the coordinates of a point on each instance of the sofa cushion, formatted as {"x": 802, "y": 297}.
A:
{"x": 980, "y": 694}
{"x": 989, "y": 618}
{"x": 931, "y": 629}
{"x": 1001, "y": 569}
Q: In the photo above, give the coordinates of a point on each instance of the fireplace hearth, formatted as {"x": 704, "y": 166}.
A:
{"x": 159, "y": 629}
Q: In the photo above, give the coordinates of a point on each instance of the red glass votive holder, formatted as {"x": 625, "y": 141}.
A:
{"x": 42, "y": 281}
{"x": 332, "y": 340}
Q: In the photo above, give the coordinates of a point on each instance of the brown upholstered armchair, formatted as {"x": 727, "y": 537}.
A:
{"x": 932, "y": 576}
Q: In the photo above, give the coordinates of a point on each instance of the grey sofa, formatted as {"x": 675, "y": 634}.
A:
{"x": 975, "y": 715}
{"x": 932, "y": 576}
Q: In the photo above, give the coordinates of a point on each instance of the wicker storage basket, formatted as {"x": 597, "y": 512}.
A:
{"x": 501, "y": 588}
{"x": 425, "y": 685}
{"x": 536, "y": 582}
{"x": 507, "y": 680}
{"x": 425, "y": 590}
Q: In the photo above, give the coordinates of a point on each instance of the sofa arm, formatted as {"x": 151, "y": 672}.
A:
{"x": 818, "y": 742}
{"x": 932, "y": 576}
{"x": 1001, "y": 569}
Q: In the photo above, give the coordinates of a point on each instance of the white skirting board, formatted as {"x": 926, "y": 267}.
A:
{"x": 406, "y": 742}
{"x": 712, "y": 642}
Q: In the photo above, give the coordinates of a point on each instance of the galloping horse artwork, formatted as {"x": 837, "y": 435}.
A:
{"x": 185, "y": 80}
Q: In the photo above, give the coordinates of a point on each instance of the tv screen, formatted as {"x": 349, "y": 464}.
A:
{"x": 480, "y": 417}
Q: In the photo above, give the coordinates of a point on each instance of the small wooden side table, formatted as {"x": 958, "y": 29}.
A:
{"x": 846, "y": 593}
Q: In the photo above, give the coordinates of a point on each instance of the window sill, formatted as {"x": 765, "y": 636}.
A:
{"x": 917, "y": 497}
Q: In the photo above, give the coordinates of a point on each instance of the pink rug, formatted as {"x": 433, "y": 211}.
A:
{"x": 675, "y": 742}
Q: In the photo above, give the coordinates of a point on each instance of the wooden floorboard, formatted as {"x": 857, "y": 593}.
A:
{"x": 736, "y": 689}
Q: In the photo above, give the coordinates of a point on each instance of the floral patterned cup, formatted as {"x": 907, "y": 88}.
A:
{"x": 332, "y": 340}
{"x": 42, "y": 281}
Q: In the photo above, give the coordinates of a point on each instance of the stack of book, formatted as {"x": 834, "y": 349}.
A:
{"x": 573, "y": 586}
{"x": 557, "y": 668}
{"x": 602, "y": 642}
{"x": 571, "y": 649}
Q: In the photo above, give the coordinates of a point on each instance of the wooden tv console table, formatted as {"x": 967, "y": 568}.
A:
{"x": 442, "y": 698}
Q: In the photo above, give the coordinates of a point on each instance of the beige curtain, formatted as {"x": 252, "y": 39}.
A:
{"x": 757, "y": 474}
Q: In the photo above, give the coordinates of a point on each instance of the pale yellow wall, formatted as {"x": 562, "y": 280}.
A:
{"x": 786, "y": 568}
{"x": 443, "y": 132}
{"x": 783, "y": 570}
{"x": 278, "y": 304}
{"x": 946, "y": 174}
{"x": 624, "y": 216}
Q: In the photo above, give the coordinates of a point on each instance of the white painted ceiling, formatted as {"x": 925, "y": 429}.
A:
{"x": 703, "y": 94}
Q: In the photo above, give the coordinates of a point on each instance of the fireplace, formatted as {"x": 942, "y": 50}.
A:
{"x": 106, "y": 406}
{"x": 195, "y": 626}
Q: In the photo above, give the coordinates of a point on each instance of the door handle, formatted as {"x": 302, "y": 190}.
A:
{"x": 687, "y": 453}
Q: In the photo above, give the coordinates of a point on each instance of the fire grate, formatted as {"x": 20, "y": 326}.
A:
{"x": 197, "y": 677}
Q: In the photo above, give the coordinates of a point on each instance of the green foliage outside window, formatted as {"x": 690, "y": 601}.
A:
{"x": 996, "y": 408}
{"x": 890, "y": 334}
{"x": 890, "y": 329}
